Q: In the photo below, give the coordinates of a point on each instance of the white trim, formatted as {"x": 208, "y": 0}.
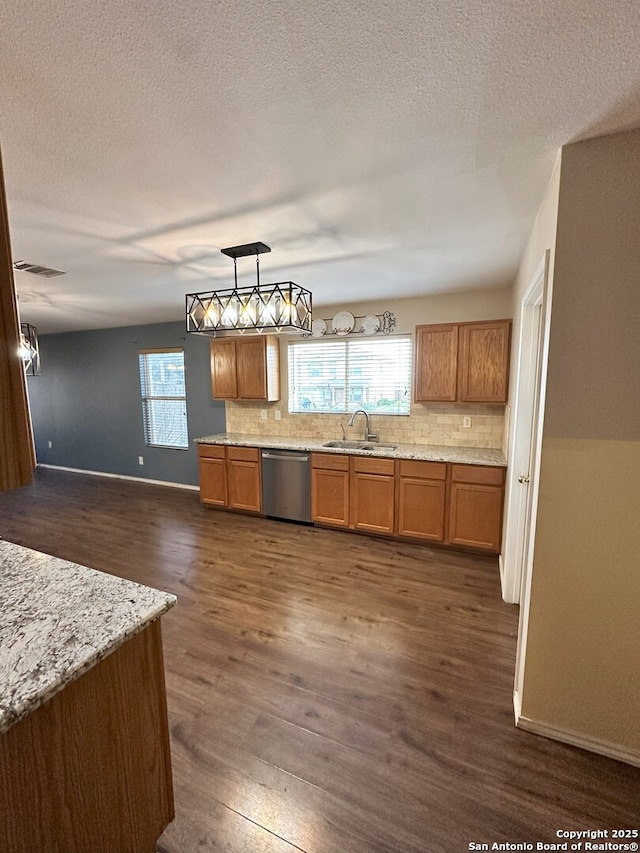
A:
{"x": 517, "y": 706}
{"x": 121, "y": 477}
{"x": 525, "y": 413}
{"x": 602, "y": 747}
{"x": 536, "y": 456}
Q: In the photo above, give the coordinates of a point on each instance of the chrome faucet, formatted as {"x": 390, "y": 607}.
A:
{"x": 368, "y": 435}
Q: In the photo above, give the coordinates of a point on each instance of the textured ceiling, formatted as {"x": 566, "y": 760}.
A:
{"x": 381, "y": 148}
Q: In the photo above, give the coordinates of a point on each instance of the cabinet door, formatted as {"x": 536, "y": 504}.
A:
{"x": 421, "y": 508}
{"x": 484, "y": 362}
{"x": 330, "y": 496}
{"x": 436, "y": 364}
{"x": 213, "y": 481}
{"x": 475, "y": 516}
{"x": 251, "y": 368}
{"x": 244, "y": 483}
{"x": 372, "y": 502}
{"x": 224, "y": 384}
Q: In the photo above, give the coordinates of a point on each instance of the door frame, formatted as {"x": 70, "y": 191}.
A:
{"x": 537, "y": 298}
{"x": 526, "y": 433}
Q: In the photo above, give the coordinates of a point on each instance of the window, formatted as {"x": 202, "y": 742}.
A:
{"x": 164, "y": 399}
{"x": 345, "y": 375}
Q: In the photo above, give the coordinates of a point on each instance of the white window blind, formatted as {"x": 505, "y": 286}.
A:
{"x": 164, "y": 400}
{"x": 344, "y": 375}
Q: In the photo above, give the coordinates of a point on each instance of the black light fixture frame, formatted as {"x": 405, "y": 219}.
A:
{"x": 280, "y": 307}
{"x": 30, "y": 349}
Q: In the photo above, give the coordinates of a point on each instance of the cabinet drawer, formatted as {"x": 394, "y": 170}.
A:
{"x": 211, "y": 451}
{"x": 330, "y": 461}
{"x": 243, "y": 454}
{"x": 367, "y": 465}
{"x": 477, "y": 474}
{"x": 423, "y": 470}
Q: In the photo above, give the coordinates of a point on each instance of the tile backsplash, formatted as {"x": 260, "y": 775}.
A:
{"x": 435, "y": 423}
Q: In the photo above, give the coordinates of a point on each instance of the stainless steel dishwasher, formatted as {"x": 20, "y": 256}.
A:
{"x": 286, "y": 484}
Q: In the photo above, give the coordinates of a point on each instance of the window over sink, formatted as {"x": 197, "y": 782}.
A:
{"x": 340, "y": 376}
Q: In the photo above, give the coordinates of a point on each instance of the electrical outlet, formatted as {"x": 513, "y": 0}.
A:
{"x": 466, "y": 422}
{"x": 140, "y": 460}
{"x": 278, "y": 415}
{"x": 263, "y": 414}
{"x": 49, "y": 444}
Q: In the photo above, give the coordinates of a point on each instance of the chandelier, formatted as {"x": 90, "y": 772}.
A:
{"x": 281, "y": 307}
{"x": 30, "y": 349}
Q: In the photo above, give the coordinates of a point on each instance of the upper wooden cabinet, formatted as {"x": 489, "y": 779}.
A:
{"x": 483, "y": 362}
{"x": 246, "y": 368}
{"x": 436, "y": 367}
{"x": 462, "y": 362}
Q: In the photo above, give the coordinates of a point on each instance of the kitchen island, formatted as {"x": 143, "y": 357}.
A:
{"x": 84, "y": 746}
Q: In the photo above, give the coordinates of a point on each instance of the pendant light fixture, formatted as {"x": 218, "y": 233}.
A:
{"x": 281, "y": 307}
{"x": 30, "y": 349}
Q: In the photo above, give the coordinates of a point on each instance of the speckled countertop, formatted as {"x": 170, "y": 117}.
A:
{"x": 57, "y": 620}
{"x": 427, "y": 452}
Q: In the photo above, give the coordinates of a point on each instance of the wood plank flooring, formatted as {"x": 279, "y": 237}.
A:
{"x": 328, "y": 693}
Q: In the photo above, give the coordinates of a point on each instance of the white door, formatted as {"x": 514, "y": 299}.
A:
{"x": 525, "y": 469}
{"x": 522, "y": 444}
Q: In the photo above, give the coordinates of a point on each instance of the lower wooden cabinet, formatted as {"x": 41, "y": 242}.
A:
{"x": 330, "y": 489}
{"x": 437, "y": 502}
{"x": 475, "y": 507}
{"x": 230, "y": 477}
{"x": 353, "y": 491}
{"x": 422, "y": 498}
{"x": 212, "y": 467}
{"x": 244, "y": 482}
{"x": 372, "y": 505}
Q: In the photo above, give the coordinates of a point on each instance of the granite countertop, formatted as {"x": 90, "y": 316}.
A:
{"x": 427, "y": 452}
{"x": 57, "y": 620}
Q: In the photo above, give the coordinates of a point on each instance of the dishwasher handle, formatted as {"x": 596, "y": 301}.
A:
{"x": 285, "y": 457}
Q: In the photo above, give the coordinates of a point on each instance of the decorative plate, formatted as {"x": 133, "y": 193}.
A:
{"x": 343, "y": 322}
{"x": 370, "y": 324}
{"x": 318, "y": 328}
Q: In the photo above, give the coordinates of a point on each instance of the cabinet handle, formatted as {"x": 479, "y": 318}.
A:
{"x": 523, "y": 479}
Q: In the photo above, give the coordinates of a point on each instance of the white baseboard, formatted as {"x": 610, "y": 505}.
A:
{"x": 507, "y": 596}
{"x": 602, "y": 747}
{"x": 121, "y": 477}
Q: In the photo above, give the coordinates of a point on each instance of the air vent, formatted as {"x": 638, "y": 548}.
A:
{"x": 36, "y": 269}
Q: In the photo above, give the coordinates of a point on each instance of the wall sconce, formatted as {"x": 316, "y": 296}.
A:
{"x": 30, "y": 349}
{"x": 281, "y": 307}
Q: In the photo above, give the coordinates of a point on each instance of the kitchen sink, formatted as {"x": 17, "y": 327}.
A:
{"x": 359, "y": 445}
{"x": 347, "y": 445}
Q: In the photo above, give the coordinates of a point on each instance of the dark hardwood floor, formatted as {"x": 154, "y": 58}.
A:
{"x": 328, "y": 693}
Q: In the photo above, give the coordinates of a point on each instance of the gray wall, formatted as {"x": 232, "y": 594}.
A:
{"x": 87, "y": 402}
{"x": 581, "y": 679}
